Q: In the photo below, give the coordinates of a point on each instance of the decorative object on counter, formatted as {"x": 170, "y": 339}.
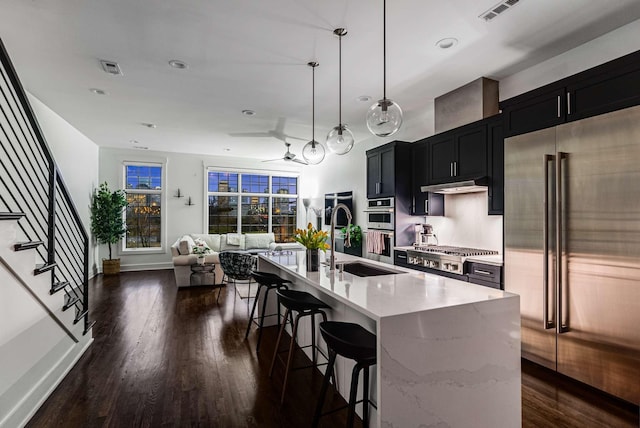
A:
{"x": 313, "y": 240}
{"x": 107, "y": 224}
{"x": 384, "y": 118}
{"x": 340, "y": 139}
{"x": 200, "y": 248}
{"x": 313, "y": 151}
{"x": 355, "y": 240}
{"x": 178, "y": 194}
{"x": 189, "y": 203}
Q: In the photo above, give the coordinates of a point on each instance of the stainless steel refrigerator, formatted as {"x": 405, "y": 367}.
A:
{"x": 572, "y": 248}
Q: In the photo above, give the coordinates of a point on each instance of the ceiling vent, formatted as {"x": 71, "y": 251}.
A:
{"x": 111, "y": 67}
{"x": 497, "y": 9}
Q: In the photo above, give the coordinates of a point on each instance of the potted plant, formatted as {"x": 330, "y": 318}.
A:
{"x": 313, "y": 240}
{"x": 107, "y": 223}
{"x": 355, "y": 237}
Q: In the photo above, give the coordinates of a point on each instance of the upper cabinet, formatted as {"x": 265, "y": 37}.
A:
{"x": 607, "y": 87}
{"x": 495, "y": 167}
{"x": 387, "y": 170}
{"x": 458, "y": 154}
{"x": 423, "y": 203}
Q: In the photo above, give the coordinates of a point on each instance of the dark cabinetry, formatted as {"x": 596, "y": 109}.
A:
{"x": 484, "y": 274}
{"x": 423, "y": 203}
{"x": 458, "y": 154}
{"x": 387, "y": 168}
{"x": 607, "y": 87}
{"x": 495, "y": 167}
{"x": 400, "y": 258}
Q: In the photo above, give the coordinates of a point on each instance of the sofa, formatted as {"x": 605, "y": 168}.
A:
{"x": 183, "y": 256}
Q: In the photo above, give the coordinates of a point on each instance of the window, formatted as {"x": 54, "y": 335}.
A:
{"x": 252, "y": 203}
{"x": 143, "y": 215}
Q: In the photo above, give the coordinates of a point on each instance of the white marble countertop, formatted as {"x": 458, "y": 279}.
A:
{"x": 385, "y": 295}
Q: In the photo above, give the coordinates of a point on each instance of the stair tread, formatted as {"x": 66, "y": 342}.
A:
{"x": 70, "y": 303}
{"x": 89, "y": 327}
{"x": 11, "y": 216}
{"x": 80, "y": 316}
{"x": 26, "y": 245}
{"x": 55, "y": 287}
{"x": 42, "y": 268}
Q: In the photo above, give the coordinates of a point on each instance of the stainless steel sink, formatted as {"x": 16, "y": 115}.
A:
{"x": 366, "y": 269}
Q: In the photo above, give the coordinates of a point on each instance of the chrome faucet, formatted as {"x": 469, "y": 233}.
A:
{"x": 334, "y": 214}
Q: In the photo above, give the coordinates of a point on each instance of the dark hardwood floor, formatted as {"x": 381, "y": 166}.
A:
{"x": 164, "y": 357}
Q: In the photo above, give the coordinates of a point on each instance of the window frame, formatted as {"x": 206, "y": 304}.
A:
{"x": 163, "y": 207}
{"x": 239, "y": 194}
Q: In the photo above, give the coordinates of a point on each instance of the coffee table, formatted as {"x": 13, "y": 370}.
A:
{"x": 200, "y": 272}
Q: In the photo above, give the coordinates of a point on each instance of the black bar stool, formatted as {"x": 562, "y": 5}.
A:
{"x": 354, "y": 342}
{"x": 268, "y": 281}
{"x": 304, "y": 304}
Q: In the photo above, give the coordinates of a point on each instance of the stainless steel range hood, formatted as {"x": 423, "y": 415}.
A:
{"x": 467, "y": 186}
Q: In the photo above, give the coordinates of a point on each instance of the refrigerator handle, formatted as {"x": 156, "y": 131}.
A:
{"x": 561, "y": 327}
{"x": 548, "y": 324}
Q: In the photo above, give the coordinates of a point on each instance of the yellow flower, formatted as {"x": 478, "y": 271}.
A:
{"x": 311, "y": 238}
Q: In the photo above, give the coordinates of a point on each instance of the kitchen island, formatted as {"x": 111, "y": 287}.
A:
{"x": 448, "y": 351}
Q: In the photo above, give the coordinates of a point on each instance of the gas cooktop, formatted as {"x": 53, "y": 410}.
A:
{"x": 453, "y": 251}
{"x": 442, "y": 257}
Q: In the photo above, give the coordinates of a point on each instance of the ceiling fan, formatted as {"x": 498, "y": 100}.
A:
{"x": 277, "y": 133}
{"x": 288, "y": 156}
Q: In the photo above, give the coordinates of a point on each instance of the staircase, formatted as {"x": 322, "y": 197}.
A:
{"x": 44, "y": 262}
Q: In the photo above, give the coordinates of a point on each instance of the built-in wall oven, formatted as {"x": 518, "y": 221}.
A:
{"x": 380, "y": 239}
{"x": 380, "y": 213}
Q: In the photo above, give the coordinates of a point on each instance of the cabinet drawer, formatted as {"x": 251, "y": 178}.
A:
{"x": 484, "y": 273}
{"x": 400, "y": 258}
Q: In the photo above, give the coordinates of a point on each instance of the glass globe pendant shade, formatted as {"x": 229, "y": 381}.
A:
{"x": 313, "y": 152}
{"x": 384, "y": 118}
{"x": 340, "y": 140}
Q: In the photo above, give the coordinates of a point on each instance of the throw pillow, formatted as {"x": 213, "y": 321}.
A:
{"x": 185, "y": 245}
{"x": 200, "y": 247}
{"x": 258, "y": 240}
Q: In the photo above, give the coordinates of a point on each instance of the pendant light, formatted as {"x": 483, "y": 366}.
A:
{"x": 340, "y": 138}
{"x": 384, "y": 118}
{"x": 313, "y": 151}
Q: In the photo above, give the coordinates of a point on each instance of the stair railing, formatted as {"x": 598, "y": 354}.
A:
{"x": 31, "y": 183}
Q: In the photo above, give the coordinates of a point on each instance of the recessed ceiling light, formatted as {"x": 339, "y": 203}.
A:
{"x": 227, "y": 149}
{"x": 134, "y": 141}
{"x": 98, "y": 91}
{"x": 176, "y": 63}
{"x": 248, "y": 112}
{"x": 447, "y": 43}
{"x": 364, "y": 98}
{"x": 149, "y": 125}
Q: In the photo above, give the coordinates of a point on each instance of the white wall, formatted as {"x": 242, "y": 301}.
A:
{"x": 76, "y": 156}
{"x": 184, "y": 172}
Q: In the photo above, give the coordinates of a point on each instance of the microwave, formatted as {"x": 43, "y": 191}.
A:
{"x": 380, "y": 214}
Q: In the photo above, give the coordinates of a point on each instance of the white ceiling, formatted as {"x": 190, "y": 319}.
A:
{"x": 245, "y": 54}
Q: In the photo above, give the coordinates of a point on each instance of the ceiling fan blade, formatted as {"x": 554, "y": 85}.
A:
{"x": 273, "y": 160}
{"x": 299, "y": 161}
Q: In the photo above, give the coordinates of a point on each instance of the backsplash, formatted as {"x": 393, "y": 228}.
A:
{"x": 466, "y": 223}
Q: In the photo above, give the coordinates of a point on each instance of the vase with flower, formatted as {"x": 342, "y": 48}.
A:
{"x": 313, "y": 240}
{"x": 201, "y": 249}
